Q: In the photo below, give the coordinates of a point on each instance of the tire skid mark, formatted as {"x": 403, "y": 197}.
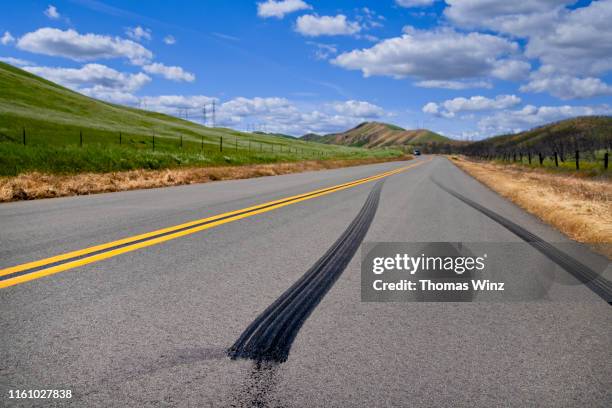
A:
{"x": 270, "y": 335}
{"x": 598, "y": 284}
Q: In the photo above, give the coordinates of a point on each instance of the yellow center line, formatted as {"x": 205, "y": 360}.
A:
{"x": 180, "y": 230}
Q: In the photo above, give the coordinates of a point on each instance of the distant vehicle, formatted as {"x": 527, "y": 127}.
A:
{"x": 416, "y": 152}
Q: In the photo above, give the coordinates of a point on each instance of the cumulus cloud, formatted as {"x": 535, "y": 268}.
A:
{"x": 172, "y": 73}
{"x": 442, "y": 54}
{"x": 358, "y": 109}
{"x": 574, "y": 41}
{"x": 279, "y": 8}
{"x": 312, "y": 25}
{"x": 15, "y": 61}
{"x": 579, "y": 43}
{"x": 169, "y": 40}
{"x": 454, "y": 85}
{"x": 83, "y": 47}
{"x": 138, "y": 33}
{"x": 511, "y": 70}
{"x": 432, "y": 108}
{"x": 94, "y": 76}
{"x": 565, "y": 86}
{"x": 519, "y": 18}
{"x": 52, "y": 12}
{"x": 530, "y": 116}
{"x": 414, "y": 3}
{"x": 7, "y": 38}
{"x": 282, "y": 115}
{"x": 177, "y": 104}
{"x": 451, "y": 107}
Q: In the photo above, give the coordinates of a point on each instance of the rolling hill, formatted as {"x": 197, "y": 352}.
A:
{"x": 47, "y": 127}
{"x": 587, "y": 132}
{"x": 377, "y": 134}
{"x": 48, "y": 110}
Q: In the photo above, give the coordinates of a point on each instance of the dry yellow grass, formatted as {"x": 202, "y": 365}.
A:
{"x": 580, "y": 208}
{"x": 37, "y": 185}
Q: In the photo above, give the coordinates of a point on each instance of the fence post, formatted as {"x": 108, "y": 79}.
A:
{"x": 606, "y": 161}
{"x": 154, "y": 142}
{"x": 80, "y": 138}
{"x": 24, "y": 136}
{"x": 249, "y": 145}
{"x": 181, "y": 141}
{"x": 236, "y": 141}
{"x": 577, "y": 160}
{"x": 556, "y": 160}
{"x": 202, "y": 146}
{"x": 221, "y": 143}
{"x": 119, "y": 138}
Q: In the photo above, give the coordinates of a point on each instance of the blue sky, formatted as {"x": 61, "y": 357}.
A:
{"x": 467, "y": 69}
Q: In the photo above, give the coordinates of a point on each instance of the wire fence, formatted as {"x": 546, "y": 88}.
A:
{"x": 156, "y": 143}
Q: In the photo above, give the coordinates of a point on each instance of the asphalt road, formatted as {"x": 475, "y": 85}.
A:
{"x": 151, "y": 327}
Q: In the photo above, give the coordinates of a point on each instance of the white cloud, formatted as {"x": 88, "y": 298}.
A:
{"x": 438, "y": 55}
{"x": 110, "y": 95}
{"x": 173, "y": 73}
{"x": 441, "y": 54}
{"x": 138, "y": 33}
{"x": 565, "y": 86}
{"x": 451, "y": 107}
{"x": 358, "y": 109}
{"x": 414, "y": 3}
{"x": 83, "y": 47}
{"x": 579, "y": 43}
{"x": 7, "y": 38}
{"x": 278, "y": 9}
{"x": 454, "y": 85}
{"x": 323, "y": 51}
{"x": 52, "y": 12}
{"x": 530, "y": 116}
{"x": 511, "y": 70}
{"x": 519, "y": 18}
{"x": 92, "y": 76}
{"x": 15, "y": 61}
{"x": 312, "y": 25}
{"x": 575, "y": 41}
{"x": 169, "y": 40}
{"x": 176, "y": 104}
{"x": 283, "y": 116}
{"x": 431, "y": 108}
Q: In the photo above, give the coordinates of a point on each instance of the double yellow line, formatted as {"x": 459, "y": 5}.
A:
{"x": 70, "y": 260}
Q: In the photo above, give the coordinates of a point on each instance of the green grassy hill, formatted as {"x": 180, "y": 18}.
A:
{"x": 377, "y": 134}
{"x": 582, "y": 130}
{"x": 591, "y": 136}
{"x": 54, "y": 118}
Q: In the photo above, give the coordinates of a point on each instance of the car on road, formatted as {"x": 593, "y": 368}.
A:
{"x": 416, "y": 152}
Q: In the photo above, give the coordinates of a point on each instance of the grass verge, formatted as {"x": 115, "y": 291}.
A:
{"x": 35, "y": 185}
{"x": 579, "y": 207}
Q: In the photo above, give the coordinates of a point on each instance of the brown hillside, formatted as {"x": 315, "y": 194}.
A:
{"x": 376, "y": 134}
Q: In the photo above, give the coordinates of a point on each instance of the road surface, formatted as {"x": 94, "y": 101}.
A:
{"x": 152, "y": 326}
